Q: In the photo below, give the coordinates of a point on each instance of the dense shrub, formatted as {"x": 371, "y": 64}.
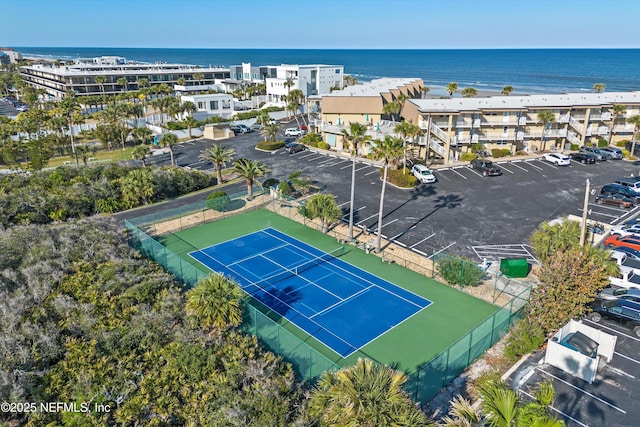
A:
{"x": 324, "y": 145}
{"x": 575, "y": 147}
{"x": 285, "y": 189}
{"x": 622, "y": 143}
{"x": 467, "y": 157}
{"x": 478, "y": 146}
{"x": 311, "y": 139}
{"x": 520, "y": 153}
{"x": 524, "y": 338}
{"x": 602, "y": 142}
{"x": 400, "y": 179}
{"x": 500, "y": 152}
{"x": 270, "y": 145}
{"x": 626, "y": 153}
{"x": 218, "y": 200}
{"x": 458, "y": 271}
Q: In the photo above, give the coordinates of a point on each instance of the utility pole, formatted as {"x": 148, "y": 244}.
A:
{"x": 585, "y": 212}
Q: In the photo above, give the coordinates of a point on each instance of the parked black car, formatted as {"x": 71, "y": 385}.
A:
{"x": 294, "y": 147}
{"x": 623, "y": 310}
{"x": 583, "y": 158}
{"x": 486, "y": 167}
{"x": 611, "y": 189}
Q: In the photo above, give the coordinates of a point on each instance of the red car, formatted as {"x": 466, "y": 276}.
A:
{"x": 628, "y": 241}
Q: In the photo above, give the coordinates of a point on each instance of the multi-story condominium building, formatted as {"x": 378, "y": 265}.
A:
{"x": 364, "y": 104}
{"x": 251, "y": 73}
{"x": 514, "y": 122}
{"x": 310, "y": 79}
{"x": 214, "y": 104}
{"x": 80, "y": 77}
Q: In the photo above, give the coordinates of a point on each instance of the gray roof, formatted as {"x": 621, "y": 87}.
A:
{"x": 374, "y": 87}
{"x": 522, "y": 102}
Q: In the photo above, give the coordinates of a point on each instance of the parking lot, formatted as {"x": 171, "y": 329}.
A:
{"x": 462, "y": 213}
{"x": 611, "y": 400}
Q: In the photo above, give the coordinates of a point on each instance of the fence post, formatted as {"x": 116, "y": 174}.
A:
{"x": 493, "y": 327}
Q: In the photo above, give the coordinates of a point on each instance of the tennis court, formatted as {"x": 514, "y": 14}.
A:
{"x": 339, "y": 304}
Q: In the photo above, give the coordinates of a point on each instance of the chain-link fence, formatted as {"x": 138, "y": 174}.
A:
{"x": 512, "y": 295}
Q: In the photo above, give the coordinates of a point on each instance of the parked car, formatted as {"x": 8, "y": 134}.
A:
{"x": 612, "y": 152}
{"x": 304, "y": 128}
{"x": 423, "y": 173}
{"x": 632, "y": 182}
{"x": 619, "y": 200}
{"x": 256, "y": 126}
{"x": 629, "y": 145}
{"x": 557, "y": 159}
{"x": 613, "y": 293}
{"x": 625, "y": 261}
{"x": 584, "y": 158}
{"x": 621, "y": 189}
{"x": 236, "y": 129}
{"x": 293, "y": 132}
{"x": 622, "y": 310}
{"x": 628, "y": 241}
{"x": 634, "y": 253}
{"x": 294, "y": 147}
{"x": 486, "y": 167}
{"x": 628, "y": 279}
{"x": 595, "y": 152}
{"x": 245, "y": 128}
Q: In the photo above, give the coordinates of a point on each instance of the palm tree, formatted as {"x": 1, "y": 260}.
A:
{"x": 616, "y": 111}
{"x": 389, "y": 150}
{"x": 499, "y": 404}
{"x": 469, "y": 92}
{"x": 364, "y": 395}
{"x": 169, "y": 140}
{"x": 101, "y": 80}
{"x": 70, "y": 108}
{"x": 191, "y": 123}
{"x": 408, "y": 131}
{"x": 392, "y": 108}
{"x": 215, "y": 302}
{"x": 198, "y": 77}
{"x": 137, "y": 187}
{"x": 545, "y": 117}
{"x": 122, "y": 81}
{"x": 424, "y": 91}
{"x": 296, "y": 99}
{"x": 142, "y": 135}
{"x": 143, "y": 83}
{"x": 452, "y": 88}
{"x": 599, "y": 87}
{"x": 181, "y": 81}
{"x": 270, "y": 131}
{"x": 354, "y": 137}
{"x": 141, "y": 152}
{"x": 324, "y": 207}
{"x": 250, "y": 170}
{"x": 507, "y": 90}
{"x": 219, "y": 156}
{"x": 635, "y": 121}
{"x": 289, "y": 83}
{"x": 189, "y": 107}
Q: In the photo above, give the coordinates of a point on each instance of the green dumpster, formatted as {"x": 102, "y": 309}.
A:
{"x": 514, "y": 267}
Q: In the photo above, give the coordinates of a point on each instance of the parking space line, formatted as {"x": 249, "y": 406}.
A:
{"x": 443, "y": 249}
{"x": 311, "y": 154}
{"x": 503, "y": 168}
{"x": 600, "y": 213}
{"x": 385, "y": 224}
{"x": 393, "y": 239}
{"x": 454, "y": 171}
{"x": 609, "y": 207}
{"x": 441, "y": 174}
{"x": 329, "y": 160}
{"x": 426, "y": 238}
{"x": 348, "y": 166}
{"x": 364, "y": 167}
{"x": 313, "y": 159}
{"x": 546, "y": 163}
{"x": 359, "y": 209}
{"x": 518, "y": 166}
{"x": 627, "y": 357}
{"x": 555, "y": 409}
{"x": 582, "y": 390}
{"x": 530, "y": 163}
{"x": 370, "y": 173}
{"x": 580, "y": 163}
{"x": 611, "y": 329}
{"x": 360, "y": 222}
{"x": 342, "y": 204}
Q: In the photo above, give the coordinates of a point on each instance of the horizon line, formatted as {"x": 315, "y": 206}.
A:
{"x": 327, "y": 48}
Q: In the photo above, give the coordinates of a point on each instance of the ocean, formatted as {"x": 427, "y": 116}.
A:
{"x": 527, "y": 70}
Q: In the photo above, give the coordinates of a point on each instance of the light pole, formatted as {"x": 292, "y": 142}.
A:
{"x": 585, "y": 211}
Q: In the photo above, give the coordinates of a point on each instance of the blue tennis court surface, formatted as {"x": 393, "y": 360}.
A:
{"x": 341, "y": 305}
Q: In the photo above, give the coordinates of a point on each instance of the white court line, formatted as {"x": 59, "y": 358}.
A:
{"x": 556, "y": 409}
{"x": 426, "y": 238}
{"x": 582, "y": 390}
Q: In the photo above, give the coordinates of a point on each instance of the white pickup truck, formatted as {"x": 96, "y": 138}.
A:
{"x": 629, "y": 278}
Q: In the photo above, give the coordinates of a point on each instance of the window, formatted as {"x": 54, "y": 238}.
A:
{"x": 201, "y": 105}
{"x": 213, "y": 105}
{"x": 226, "y": 105}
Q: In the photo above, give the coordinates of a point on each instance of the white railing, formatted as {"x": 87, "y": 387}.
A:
{"x": 439, "y": 132}
{"x": 564, "y": 118}
{"x": 437, "y": 148}
{"x": 573, "y": 138}
{"x": 575, "y": 124}
{"x": 520, "y": 136}
{"x": 522, "y": 121}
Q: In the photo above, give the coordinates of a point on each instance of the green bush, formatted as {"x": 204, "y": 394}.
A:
{"x": 575, "y": 147}
{"x": 602, "y": 142}
{"x": 324, "y": 145}
{"x": 458, "y": 271}
{"x": 622, "y": 143}
{"x": 524, "y": 338}
{"x": 500, "y": 152}
{"x": 520, "y": 153}
{"x": 626, "y": 153}
{"x": 285, "y": 189}
{"x": 270, "y": 145}
{"x": 271, "y": 182}
{"x": 399, "y": 179}
{"x": 467, "y": 157}
{"x": 478, "y": 146}
{"x": 218, "y": 201}
{"x": 311, "y": 139}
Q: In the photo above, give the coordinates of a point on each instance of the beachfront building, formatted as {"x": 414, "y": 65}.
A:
{"x": 80, "y": 76}
{"x": 364, "y": 104}
{"x": 12, "y": 55}
{"x": 315, "y": 79}
{"x": 514, "y": 122}
{"x": 212, "y": 104}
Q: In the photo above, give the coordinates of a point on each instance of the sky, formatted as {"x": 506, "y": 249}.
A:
{"x": 321, "y": 24}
